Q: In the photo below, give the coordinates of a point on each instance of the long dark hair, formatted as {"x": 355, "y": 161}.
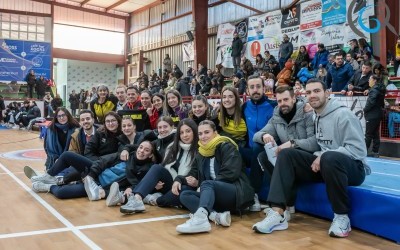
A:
{"x": 117, "y": 117}
{"x": 173, "y": 152}
{"x": 71, "y": 121}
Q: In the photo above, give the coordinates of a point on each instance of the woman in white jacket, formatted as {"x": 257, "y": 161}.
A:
{"x": 155, "y": 187}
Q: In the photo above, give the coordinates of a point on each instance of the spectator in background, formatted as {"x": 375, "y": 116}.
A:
{"x": 354, "y": 49}
{"x": 298, "y": 88}
{"x": 73, "y": 102}
{"x": 237, "y": 46}
{"x": 380, "y": 70}
{"x": 167, "y": 64}
{"x": 285, "y": 76}
{"x": 48, "y": 110}
{"x": 304, "y": 74}
{"x": 194, "y": 88}
{"x": 339, "y": 74}
{"x": 321, "y": 74}
{"x": 153, "y": 76}
{"x": 2, "y": 108}
{"x": 32, "y": 113}
{"x": 331, "y": 61}
{"x": 320, "y": 59}
{"x": 93, "y": 93}
{"x": 302, "y": 56}
{"x": 154, "y": 87}
{"x": 220, "y": 78}
{"x": 31, "y": 82}
{"x": 171, "y": 83}
{"x": 373, "y": 112}
{"x": 177, "y": 71}
{"x": 397, "y": 57}
{"x": 57, "y": 102}
{"x": 189, "y": 72}
{"x": 364, "y": 48}
{"x": 273, "y": 67}
{"x": 268, "y": 57}
{"x": 184, "y": 87}
{"x": 352, "y": 62}
{"x": 40, "y": 87}
{"x": 247, "y": 67}
{"x": 260, "y": 64}
{"x": 285, "y": 51}
{"x": 359, "y": 82}
{"x": 239, "y": 83}
{"x": 201, "y": 70}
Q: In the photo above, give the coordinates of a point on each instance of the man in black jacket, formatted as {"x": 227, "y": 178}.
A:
{"x": 359, "y": 81}
{"x": 237, "y": 46}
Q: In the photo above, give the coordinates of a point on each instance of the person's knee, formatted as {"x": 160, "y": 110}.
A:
{"x": 330, "y": 161}
{"x": 207, "y": 185}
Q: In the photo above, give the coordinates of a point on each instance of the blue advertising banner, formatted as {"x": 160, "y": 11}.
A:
{"x": 17, "y": 58}
{"x": 333, "y": 12}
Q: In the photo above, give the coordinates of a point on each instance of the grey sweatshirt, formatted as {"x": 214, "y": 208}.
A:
{"x": 338, "y": 129}
{"x": 300, "y": 129}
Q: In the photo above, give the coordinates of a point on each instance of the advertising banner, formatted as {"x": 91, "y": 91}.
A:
{"x": 17, "y": 58}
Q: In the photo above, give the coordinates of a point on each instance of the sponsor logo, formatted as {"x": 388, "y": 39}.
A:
{"x": 361, "y": 7}
{"x": 8, "y": 60}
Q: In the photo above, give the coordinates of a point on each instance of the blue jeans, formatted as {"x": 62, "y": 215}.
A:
{"x": 154, "y": 175}
{"x": 67, "y": 159}
{"x": 214, "y": 195}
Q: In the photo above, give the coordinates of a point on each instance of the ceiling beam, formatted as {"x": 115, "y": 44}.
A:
{"x": 245, "y": 6}
{"x": 80, "y": 8}
{"x": 158, "y": 2}
{"x": 116, "y": 4}
{"x": 217, "y": 3}
{"x": 85, "y": 2}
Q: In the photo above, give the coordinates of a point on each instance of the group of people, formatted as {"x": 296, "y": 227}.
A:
{"x": 135, "y": 148}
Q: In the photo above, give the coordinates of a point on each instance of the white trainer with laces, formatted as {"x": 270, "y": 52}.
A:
{"x": 223, "y": 219}
{"x": 91, "y": 188}
{"x": 340, "y": 226}
{"x": 40, "y": 187}
{"x": 133, "y": 205}
{"x": 274, "y": 221}
{"x": 45, "y": 178}
{"x": 198, "y": 223}
{"x": 151, "y": 199}
{"x": 115, "y": 196}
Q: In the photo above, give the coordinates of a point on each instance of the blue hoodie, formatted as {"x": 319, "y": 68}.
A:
{"x": 304, "y": 75}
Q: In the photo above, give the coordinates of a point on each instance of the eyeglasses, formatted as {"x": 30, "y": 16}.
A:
{"x": 61, "y": 116}
{"x": 110, "y": 121}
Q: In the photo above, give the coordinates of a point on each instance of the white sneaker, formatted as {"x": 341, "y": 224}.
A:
{"x": 256, "y": 207}
{"x": 198, "y": 223}
{"x": 45, "y": 178}
{"x": 115, "y": 196}
{"x": 273, "y": 221}
{"x": 15, "y": 127}
{"x": 151, "y": 199}
{"x": 223, "y": 219}
{"x": 91, "y": 188}
{"x": 288, "y": 213}
{"x": 40, "y": 187}
{"x": 133, "y": 205}
{"x": 340, "y": 226}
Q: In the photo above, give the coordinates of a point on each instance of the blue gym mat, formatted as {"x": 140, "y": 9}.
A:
{"x": 375, "y": 205}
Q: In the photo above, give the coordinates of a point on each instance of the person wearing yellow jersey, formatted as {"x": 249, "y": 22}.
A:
{"x": 103, "y": 103}
{"x": 218, "y": 172}
{"x": 397, "y": 57}
{"x": 230, "y": 116}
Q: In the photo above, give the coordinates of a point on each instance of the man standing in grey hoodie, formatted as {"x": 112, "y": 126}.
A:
{"x": 340, "y": 163}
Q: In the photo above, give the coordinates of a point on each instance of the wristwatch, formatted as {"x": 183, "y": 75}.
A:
{"x": 293, "y": 144}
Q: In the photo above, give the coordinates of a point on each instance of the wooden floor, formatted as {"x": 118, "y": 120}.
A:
{"x": 40, "y": 221}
